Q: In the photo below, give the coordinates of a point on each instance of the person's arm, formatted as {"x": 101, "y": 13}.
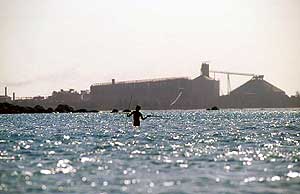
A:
{"x": 143, "y": 118}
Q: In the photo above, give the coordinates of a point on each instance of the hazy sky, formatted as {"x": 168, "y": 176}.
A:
{"x": 47, "y": 45}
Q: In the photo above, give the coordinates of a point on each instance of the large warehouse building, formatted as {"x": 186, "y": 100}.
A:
{"x": 167, "y": 93}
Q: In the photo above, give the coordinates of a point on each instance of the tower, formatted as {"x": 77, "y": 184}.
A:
{"x": 205, "y": 69}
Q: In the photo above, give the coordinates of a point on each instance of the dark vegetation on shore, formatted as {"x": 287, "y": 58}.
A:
{"x": 7, "y": 108}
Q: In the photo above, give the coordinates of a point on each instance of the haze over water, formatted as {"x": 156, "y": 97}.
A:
{"x": 230, "y": 151}
{"x": 62, "y": 44}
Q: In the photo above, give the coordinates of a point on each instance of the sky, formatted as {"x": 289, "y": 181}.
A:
{"x": 48, "y": 45}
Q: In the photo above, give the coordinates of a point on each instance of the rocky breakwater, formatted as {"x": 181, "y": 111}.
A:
{"x": 7, "y": 108}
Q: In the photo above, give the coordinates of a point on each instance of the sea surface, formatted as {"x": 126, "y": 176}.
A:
{"x": 227, "y": 151}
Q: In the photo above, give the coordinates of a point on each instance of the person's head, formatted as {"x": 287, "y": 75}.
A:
{"x": 137, "y": 108}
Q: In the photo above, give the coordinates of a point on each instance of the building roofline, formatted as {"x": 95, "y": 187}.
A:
{"x": 141, "y": 81}
{"x": 267, "y": 84}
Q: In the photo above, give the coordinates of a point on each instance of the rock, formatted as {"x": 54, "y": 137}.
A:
{"x": 63, "y": 108}
{"x": 114, "y": 110}
{"x": 50, "y": 110}
{"x": 39, "y": 109}
{"x": 81, "y": 110}
{"x": 213, "y": 108}
{"x": 93, "y": 111}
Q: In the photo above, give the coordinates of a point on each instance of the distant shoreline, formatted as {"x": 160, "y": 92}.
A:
{"x": 7, "y": 108}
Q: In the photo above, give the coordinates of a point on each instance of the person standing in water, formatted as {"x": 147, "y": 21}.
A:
{"x": 137, "y": 115}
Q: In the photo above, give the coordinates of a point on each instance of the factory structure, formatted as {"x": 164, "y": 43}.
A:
{"x": 5, "y": 97}
{"x": 167, "y": 93}
{"x": 201, "y": 92}
{"x": 256, "y": 93}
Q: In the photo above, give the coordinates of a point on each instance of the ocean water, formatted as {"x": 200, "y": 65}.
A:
{"x": 228, "y": 151}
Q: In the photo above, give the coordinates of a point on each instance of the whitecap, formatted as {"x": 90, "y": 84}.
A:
{"x": 293, "y": 174}
{"x": 45, "y": 171}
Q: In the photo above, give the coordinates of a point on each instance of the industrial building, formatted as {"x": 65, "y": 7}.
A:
{"x": 256, "y": 93}
{"x": 166, "y": 93}
{"x": 65, "y": 96}
{"x": 5, "y": 97}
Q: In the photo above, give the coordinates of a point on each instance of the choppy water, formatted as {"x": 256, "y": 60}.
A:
{"x": 231, "y": 151}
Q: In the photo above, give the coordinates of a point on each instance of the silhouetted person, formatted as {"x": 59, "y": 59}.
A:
{"x": 136, "y": 116}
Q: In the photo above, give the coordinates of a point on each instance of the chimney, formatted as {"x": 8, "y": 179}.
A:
{"x": 205, "y": 69}
{"x": 14, "y": 96}
{"x": 5, "y": 91}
